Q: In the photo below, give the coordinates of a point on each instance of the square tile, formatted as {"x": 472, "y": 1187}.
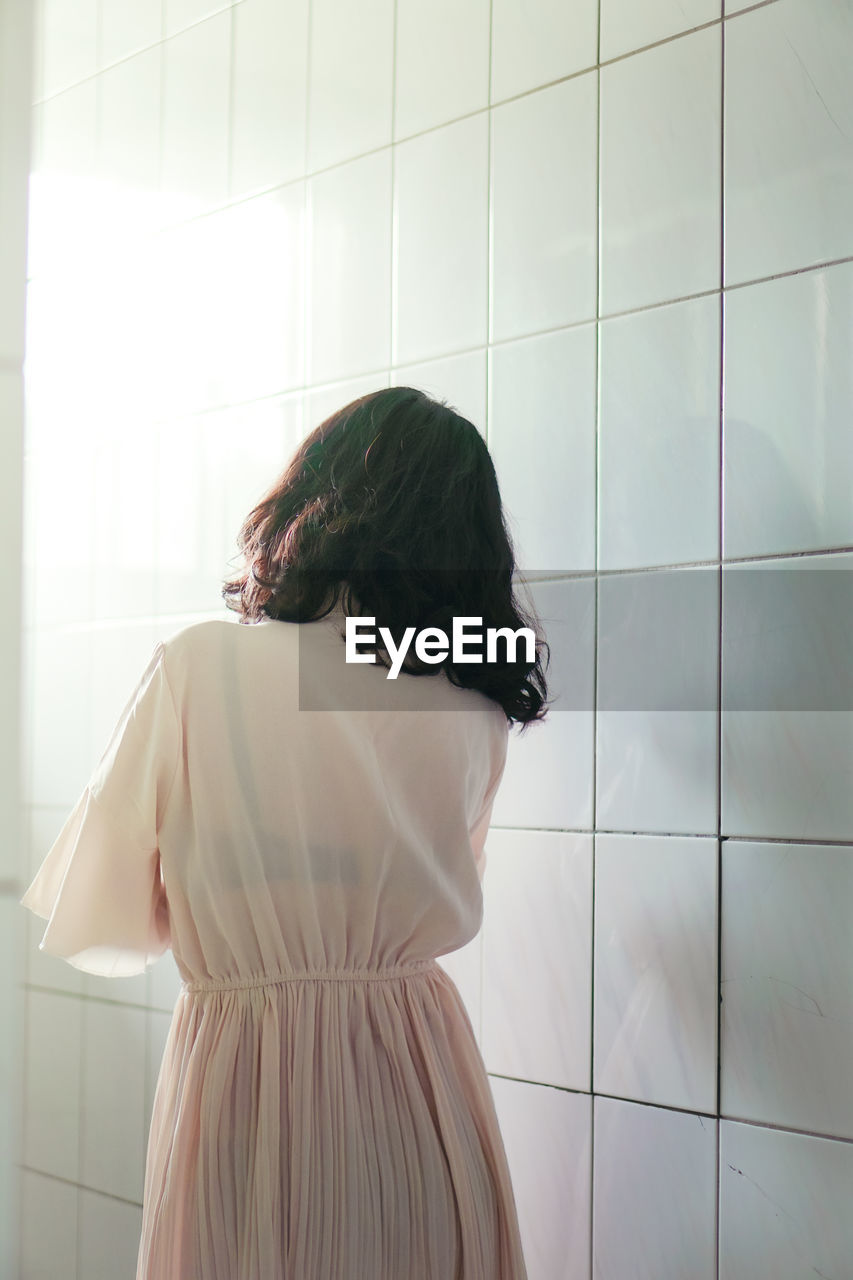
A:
{"x": 544, "y": 176}
{"x": 659, "y": 436}
{"x": 787, "y": 980}
{"x": 60, "y": 688}
{"x": 52, "y": 1091}
{"x": 541, "y": 41}
{"x": 537, "y": 956}
{"x": 112, "y": 1151}
{"x": 61, "y": 548}
{"x": 441, "y": 245}
{"x": 547, "y": 1136}
{"x": 350, "y": 78}
{"x": 788, "y": 447}
{"x": 196, "y": 107}
{"x": 45, "y": 1253}
{"x": 192, "y": 323}
{"x": 126, "y": 26}
{"x": 660, "y": 173}
{"x": 626, "y": 25}
{"x": 542, "y": 407}
{"x": 442, "y": 63}
{"x": 129, "y": 150}
{"x": 67, "y": 42}
{"x": 787, "y": 724}
{"x": 259, "y": 248}
{"x": 789, "y": 138}
{"x": 784, "y": 1204}
{"x": 110, "y": 1232}
{"x": 654, "y": 1189}
{"x": 270, "y": 94}
{"x": 657, "y": 723}
{"x": 655, "y": 975}
{"x": 350, "y": 269}
{"x": 125, "y": 559}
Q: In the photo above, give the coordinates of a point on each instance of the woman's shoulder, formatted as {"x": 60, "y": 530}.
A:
{"x": 190, "y": 645}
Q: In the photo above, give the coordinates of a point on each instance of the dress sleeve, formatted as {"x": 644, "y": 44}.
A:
{"x": 100, "y": 887}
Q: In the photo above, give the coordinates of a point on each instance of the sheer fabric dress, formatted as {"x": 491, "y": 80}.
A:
{"x": 322, "y": 1111}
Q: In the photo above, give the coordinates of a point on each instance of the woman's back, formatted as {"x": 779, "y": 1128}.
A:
{"x": 319, "y": 839}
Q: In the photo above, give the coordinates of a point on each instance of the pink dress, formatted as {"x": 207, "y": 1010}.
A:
{"x": 322, "y": 1110}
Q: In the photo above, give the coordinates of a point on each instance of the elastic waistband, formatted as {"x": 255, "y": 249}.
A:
{"x": 394, "y": 973}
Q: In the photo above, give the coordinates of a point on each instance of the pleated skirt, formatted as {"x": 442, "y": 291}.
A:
{"x": 326, "y": 1126}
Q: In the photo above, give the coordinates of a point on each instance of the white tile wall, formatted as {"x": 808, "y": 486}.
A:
{"x": 68, "y": 45}
{"x": 536, "y": 43}
{"x": 659, "y": 436}
{"x": 655, "y": 970}
{"x": 784, "y": 1204}
{"x": 113, "y": 1098}
{"x": 787, "y": 978}
{"x": 786, "y": 757}
{"x": 269, "y": 111}
{"x": 46, "y": 1254}
{"x": 788, "y": 475}
{"x": 660, "y": 173}
{"x": 789, "y": 138}
{"x": 543, "y": 209}
{"x": 536, "y": 933}
{"x": 196, "y": 114}
{"x": 109, "y": 1237}
{"x": 542, "y": 397}
{"x": 128, "y": 155}
{"x": 441, "y": 63}
{"x": 53, "y": 1059}
{"x": 548, "y": 1139}
{"x": 626, "y": 26}
{"x": 350, "y": 79}
{"x": 441, "y": 241}
{"x": 126, "y": 26}
{"x": 350, "y": 266}
{"x": 243, "y": 220}
{"x": 654, "y": 1193}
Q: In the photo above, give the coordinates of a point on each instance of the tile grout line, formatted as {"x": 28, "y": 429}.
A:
{"x": 719, "y": 718}
{"x": 487, "y": 425}
{"x": 681, "y": 1111}
{"x": 595, "y": 617}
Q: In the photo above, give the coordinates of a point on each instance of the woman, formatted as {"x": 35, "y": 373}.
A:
{"x": 307, "y": 834}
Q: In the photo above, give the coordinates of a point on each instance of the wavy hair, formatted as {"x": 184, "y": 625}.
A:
{"x": 391, "y": 507}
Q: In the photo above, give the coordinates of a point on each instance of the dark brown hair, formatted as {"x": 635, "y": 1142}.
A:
{"x": 391, "y": 506}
